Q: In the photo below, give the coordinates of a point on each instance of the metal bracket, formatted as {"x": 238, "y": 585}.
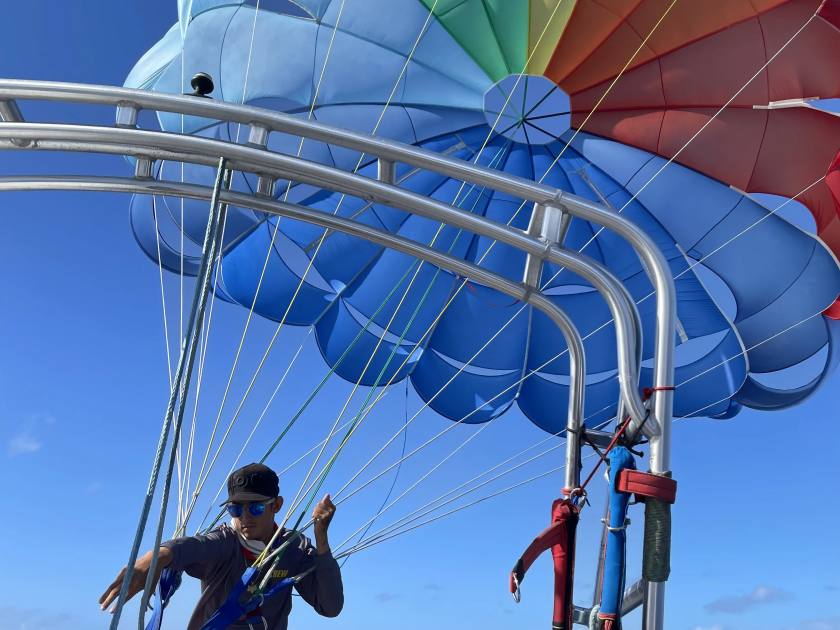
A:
{"x": 386, "y": 171}
{"x": 126, "y": 116}
{"x": 143, "y": 168}
{"x": 550, "y": 224}
{"x": 265, "y": 186}
{"x": 258, "y": 136}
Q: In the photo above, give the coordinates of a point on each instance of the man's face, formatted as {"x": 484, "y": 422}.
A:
{"x": 259, "y": 527}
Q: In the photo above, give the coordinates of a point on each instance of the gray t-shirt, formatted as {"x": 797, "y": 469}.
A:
{"x": 217, "y": 559}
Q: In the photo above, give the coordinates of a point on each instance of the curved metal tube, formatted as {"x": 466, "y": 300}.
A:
{"x": 577, "y": 360}
{"x": 159, "y": 145}
{"x": 658, "y": 427}
{"x": 655, "y": 265}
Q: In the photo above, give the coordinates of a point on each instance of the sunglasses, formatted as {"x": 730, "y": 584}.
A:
{"x": 254, "y": 509}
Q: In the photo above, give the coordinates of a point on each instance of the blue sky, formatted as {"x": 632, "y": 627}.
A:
{"x": 84, "y": 386}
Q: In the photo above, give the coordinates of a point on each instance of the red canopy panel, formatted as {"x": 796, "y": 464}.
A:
{"x": 832, "y": 230}
{"x": 659, "y": 105}
{"x": 708, "y": 72}
{"x": 602, "y": 36}
{"x": 781, "y": 151}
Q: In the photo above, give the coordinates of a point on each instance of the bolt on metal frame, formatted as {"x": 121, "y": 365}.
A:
{"x": 553, "y": 209}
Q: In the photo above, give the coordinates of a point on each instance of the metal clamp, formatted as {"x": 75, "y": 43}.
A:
{"x": 514, "y": 587}
{"x": 616, "y": 529}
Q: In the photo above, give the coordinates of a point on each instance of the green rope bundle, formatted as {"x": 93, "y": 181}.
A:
{"x": 656, "y": 557}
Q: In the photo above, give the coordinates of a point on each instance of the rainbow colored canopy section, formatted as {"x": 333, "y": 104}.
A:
{"x": 528, "y": 87}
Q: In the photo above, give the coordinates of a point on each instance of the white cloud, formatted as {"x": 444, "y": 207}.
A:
{"x": 737, "y": 604}
{"x": 23, "y": 443}
{"x": 27, "y": 440}
{"x": 714, "y": 627}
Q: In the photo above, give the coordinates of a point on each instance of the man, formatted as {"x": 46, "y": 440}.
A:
{"x": 220, "y": 558}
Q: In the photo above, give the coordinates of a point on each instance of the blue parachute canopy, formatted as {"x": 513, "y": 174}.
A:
{"x": 442, "y": 100}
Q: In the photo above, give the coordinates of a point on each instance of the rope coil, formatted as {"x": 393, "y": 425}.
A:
{"x": 656, "y": 554}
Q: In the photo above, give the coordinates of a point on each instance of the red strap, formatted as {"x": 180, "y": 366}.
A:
{"x": 644, "y": 484}
{"x": 560, "y": 537}
{"x": 647, "y": 392}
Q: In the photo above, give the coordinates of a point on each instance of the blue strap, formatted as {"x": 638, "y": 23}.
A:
{"x": 280, "y": 586}
{"x": 612, "y": 592}
{"x": 167, "y": 585}
{"x": 233, "y": 609}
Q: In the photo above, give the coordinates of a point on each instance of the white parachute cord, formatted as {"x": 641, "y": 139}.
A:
{"x": 250, "y": 312}
{"x": 177, "y": 401}
{"x": 364, "y": 413}
{"x": 256, "y": 426}
{"x": 433, "y": 438}
{"x": 381, "y": 118}
{"x": 740, "y": 354}
{"x": 417, "y": 512}
{"x": 401, "y": 522}
{"x": 369, "y": 542}
{"x": 383, "y": 535}
{"x": 182, "y": 526}
{"x": 490, "y": 470}
{"x": 248, "y": 64}
{"x": 301, "y": 493}
{"x": 162, "y": 295}
{"x": 202, "y": 476}
{"x": 277, "y": 223}
{"x": 179, "y": 455}
{"x": 162, "y": 299}
{"x": 645, "y": 185}
{"x": 694, "y": 136}
{"x": 426, "y": 507}
{"x": 463, "y": 284}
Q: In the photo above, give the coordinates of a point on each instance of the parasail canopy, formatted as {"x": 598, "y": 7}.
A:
{"x": 711, "y": 103}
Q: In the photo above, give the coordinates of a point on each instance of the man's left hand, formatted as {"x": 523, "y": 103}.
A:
{"x": 321, "y": 516}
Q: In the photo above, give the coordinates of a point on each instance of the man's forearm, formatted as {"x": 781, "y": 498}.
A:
{"x": 164, "y": 558}
{"x": 322, "y": 544}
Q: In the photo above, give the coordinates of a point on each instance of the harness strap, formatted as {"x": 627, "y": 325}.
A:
{"x": 560, "y": 538}
{"x": 169, "y": 582}
{"x": 233, "y": 609}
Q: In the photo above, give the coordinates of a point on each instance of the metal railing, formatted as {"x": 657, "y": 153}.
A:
{"x": 554, "y": 206}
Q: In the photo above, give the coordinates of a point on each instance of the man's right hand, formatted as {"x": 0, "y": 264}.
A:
{"x": 138, "y": 578}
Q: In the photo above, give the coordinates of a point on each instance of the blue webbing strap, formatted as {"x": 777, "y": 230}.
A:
{"x": 234, "y": 609}
{"x": 280, "y": 586}
{"x": 169, "y": 582}
{"x": 614, "y": 562}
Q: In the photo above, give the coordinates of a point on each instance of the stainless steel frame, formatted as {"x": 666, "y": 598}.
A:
{"x": 147, "y": 146}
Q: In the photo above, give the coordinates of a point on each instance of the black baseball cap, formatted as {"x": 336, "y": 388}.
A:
{"x": 254, "y": 482}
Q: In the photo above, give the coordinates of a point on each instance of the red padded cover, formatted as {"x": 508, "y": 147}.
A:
{"x": 644, "y": 484}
